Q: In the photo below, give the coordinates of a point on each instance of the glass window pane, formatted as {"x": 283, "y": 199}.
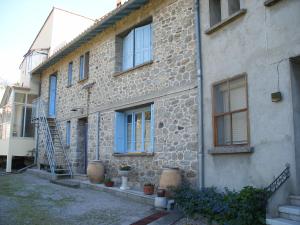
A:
{"x": 223, "y": 130}
{"x": 221, "y": 98}
{"x": 147, "y": 131}
{"x": 30, "y": 98}
{"x": 29, "y": 128}
{"x": 239, "y": 128}
{"x": 20, "y": 98}
{"x": 18, "y": 121}
{"x": 138, "y": 132}
{"x": 129, "y": 132}
{"x": 238, "y": 94}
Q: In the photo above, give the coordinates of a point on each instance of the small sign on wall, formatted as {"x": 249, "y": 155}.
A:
{"x": 276, "y": 96}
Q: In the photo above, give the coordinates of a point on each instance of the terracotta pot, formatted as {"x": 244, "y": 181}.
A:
{"x": 109, "y": 184}
{"x": 161, "y": 193}
{"x": 148, "y": 190}
{"x": 95, "y": 171}
{"x": 170, "y": 177}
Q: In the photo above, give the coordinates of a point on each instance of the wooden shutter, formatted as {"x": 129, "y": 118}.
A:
{"x": 142, "y": 47}
{"x": 152, "y": 127}
{"x": 119, "y": 132}
{"x": 86, "y": 64}
{"x": 128, "y": 44}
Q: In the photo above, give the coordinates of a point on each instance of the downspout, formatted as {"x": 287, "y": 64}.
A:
{"x": 200, "y": 154}
{"x": 36, "y": 131}
{"x": 98, "y": 137}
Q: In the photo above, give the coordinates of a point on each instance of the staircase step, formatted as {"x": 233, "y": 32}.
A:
{"x": 295, "y": 200}
{"x": 281, "y": 221}
{"x": 290, "y": 212}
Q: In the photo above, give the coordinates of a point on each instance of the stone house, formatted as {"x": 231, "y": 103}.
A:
{"x": 250, "y": 61}
{"x": 125, "y": 91}
{"x": 16, "y": 130}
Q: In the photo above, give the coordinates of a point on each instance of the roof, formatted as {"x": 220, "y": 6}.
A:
{"x": 98, "y": 27}
{"x": 54, "y": 8}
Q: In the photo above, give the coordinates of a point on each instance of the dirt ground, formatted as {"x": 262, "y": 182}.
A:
{"x": 26, "y": 199}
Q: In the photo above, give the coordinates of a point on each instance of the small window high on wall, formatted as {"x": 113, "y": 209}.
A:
{"x": 134, "y": 130}
{"x": 230, "y": 108}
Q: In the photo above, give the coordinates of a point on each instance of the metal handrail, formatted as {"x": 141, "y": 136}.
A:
{"x": 279, "y": 181}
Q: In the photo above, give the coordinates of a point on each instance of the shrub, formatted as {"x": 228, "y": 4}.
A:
{"x": 247, "y": 207}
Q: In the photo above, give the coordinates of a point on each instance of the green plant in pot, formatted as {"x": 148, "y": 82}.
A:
{"x": 149, "y": 189}
{"x": 108, "y": 182}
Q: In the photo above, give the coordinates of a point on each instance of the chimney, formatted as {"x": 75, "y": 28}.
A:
{"x": 119, "y": 3}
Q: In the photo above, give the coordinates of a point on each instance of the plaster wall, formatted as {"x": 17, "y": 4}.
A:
{"x": 255, "y": 44}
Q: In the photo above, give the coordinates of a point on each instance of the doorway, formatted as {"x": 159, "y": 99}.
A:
{"x": 52, "y": 96}
{"x": 295, "y": 80}
{"x": 82, "y": 145}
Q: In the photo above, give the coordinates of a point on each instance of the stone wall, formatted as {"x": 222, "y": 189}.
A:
{"x": 169, "y": 81}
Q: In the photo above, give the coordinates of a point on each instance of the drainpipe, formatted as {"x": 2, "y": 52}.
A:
{"x": 200, "y": 154}
{"x": 36, "y": 132}
{"x": 98, "y": 137}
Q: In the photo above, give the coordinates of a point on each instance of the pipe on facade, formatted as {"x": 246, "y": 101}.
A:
{"x": 200, "y": 153}
{"x": 36, "y": 144}
{"x": 98, "y": 137}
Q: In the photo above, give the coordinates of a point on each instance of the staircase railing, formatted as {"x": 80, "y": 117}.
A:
{"x": 39, "y": 117}
{"x": 58, "y": 128}
{"x": 279, "y": 181}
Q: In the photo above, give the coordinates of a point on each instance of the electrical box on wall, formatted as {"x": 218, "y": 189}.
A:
{"x": 276, "y": 96}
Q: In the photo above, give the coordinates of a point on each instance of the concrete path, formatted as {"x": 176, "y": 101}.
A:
{"x": 26, "y": 199}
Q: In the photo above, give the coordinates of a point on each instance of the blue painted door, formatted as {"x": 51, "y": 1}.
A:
{"x": 52, "y": 96}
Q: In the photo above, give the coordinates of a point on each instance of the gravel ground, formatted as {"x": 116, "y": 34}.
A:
{"x": 26, "y": 199}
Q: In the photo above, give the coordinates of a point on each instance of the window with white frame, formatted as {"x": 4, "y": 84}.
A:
{"x": 134, "y": 130}
{"x": 84, "y": 61}
{"x": 137, "y": 47}
{"x": 68, "y": 133}
{"x": 220, "y": 9}
{"x": 231, "y": 112}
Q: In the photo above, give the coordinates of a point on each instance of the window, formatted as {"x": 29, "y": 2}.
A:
{"x": 231, "y": 112}
{"x": 137, "y": 47}
{"x": 84, "y": 64}
{"x": 70, "y": 73}
{"x": 68, "y": 133}
{"x": 134, "y": 130}
{"x": 220, "y": 9}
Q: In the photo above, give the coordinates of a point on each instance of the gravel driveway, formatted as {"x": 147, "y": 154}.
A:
{"x": 26, "y": 199}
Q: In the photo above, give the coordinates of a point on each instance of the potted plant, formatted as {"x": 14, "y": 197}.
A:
{"x": 108, "y": 182}
{"x": 124, "y": 171}
{"x": 148, "y": 189}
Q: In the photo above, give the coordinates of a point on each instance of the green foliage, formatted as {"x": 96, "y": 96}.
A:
{"x": 247, "y": 207}
{"x": 125, "y": 168}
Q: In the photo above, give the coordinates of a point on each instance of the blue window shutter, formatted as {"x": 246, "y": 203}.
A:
{"x": 152, "y": 127}
{"x": 147, "y": 49}
{"x": 138, "y": 46}
{"x": 128, "y": 44}
{"x": 119, "y": 132}
{"x": 68, "y": 133}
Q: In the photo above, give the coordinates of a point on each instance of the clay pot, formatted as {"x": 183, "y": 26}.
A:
{"x": 148, "y": 189}
{"x": 95, "y": 171}
{"x": 109, "y": 184}
{"x": 170, "y": 177}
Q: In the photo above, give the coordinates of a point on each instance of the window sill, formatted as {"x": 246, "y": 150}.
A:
{"x": 133, "y": 68}
{"x": 270, "y": 3}
{"x": 83, "y": 80}
{"x": 231, "y": 150}
{"x": 226, "y": 21}
{"x": 133, "y": 154}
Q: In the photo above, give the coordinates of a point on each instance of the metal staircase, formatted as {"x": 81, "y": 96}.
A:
{"x": 50, "y": 135}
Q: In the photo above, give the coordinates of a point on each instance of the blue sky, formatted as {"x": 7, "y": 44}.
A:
{"x": 20, "y": 21}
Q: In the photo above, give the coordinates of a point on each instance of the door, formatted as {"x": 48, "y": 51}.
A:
{"x": 82, "y": 144}
{"x": 52, "y": 96}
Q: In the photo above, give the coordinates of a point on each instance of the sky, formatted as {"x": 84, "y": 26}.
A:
{"x": 21, "y": 20}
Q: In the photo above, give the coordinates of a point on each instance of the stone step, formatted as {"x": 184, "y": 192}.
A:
{"x": 291, "y": 212}
{"x": 66, "y": 182}
{"x": 295, "y": 200}
{"x": 281, "y": 221}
